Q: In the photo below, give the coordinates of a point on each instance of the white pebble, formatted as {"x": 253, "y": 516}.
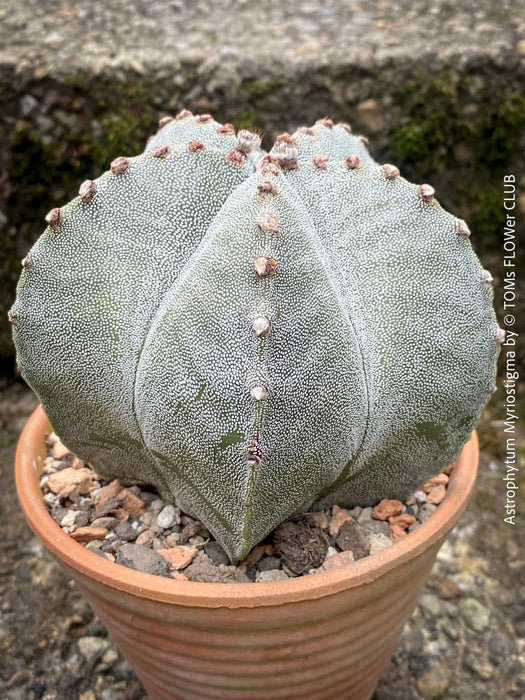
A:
{"x": 147, "y": 518}
{"x": 168, "y": 517}
{"x": 196, "y": 540}
{"x": 271, "y": 575}
{"x": 69, "y": 519}
{"x": 420, "y": 496}
{"x": 378, "y": 541}
{"x": 365, "y": 515}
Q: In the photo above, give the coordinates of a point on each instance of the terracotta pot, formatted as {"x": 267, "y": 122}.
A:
{"x": 311, "y": 638}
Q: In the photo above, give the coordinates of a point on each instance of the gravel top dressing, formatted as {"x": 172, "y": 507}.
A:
{"x": 134, "y": 527}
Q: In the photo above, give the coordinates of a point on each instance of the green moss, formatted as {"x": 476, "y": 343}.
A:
{"x": 497, "y": 133}
{"x": 478, "y": 146}
{"x": 429, "y": 106}
{"x": 34, "y": 169}
{"x": 246, "y": 120}
{"x": 260, "y": 88}
{"x": 40, "y": 168}
{"x": 126, "y": 115}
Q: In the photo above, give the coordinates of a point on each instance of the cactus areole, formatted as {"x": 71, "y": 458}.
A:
{"x": 257, "y": 334}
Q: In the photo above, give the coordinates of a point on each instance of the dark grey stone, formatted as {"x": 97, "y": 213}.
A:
{"x": 500, "y": 646}
{"x": 269, "y": 563}
{"x": 125, "y": 531}
{"x": 136, "y": 556}
{"x": 216, "y": 553}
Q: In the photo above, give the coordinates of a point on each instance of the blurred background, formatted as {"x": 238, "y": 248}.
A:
{"x": 438, "y": 88}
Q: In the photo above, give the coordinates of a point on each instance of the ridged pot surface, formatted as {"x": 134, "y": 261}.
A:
{"x": 306, "y": 638}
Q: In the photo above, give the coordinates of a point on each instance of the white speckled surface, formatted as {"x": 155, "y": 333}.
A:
{"x": 134, "y": 328}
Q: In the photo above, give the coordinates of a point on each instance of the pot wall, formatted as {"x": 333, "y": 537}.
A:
{"x": 311, "y": 637}
{"x": 312, "y": 649}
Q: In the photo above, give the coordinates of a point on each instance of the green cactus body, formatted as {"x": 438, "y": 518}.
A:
{"x": 257, "y": 335}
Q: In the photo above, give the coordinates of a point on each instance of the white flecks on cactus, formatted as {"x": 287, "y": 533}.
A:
{"x": 411, "y": 289}
{"x": 330, "y": 140}
{"x": 144, "y": 326}
{"x": 186, "y": 127}
{"x": 112, "y": 264}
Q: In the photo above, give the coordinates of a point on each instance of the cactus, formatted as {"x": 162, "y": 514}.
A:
{"x": 257, "y": 334}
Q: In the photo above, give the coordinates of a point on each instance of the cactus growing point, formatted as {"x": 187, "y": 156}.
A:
{"x": 257, "y": 334}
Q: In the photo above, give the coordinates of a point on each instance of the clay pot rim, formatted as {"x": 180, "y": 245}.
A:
{"x": 29, "y": 462}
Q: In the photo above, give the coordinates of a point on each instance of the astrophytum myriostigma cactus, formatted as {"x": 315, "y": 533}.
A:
{"x": 257, "y": 334}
